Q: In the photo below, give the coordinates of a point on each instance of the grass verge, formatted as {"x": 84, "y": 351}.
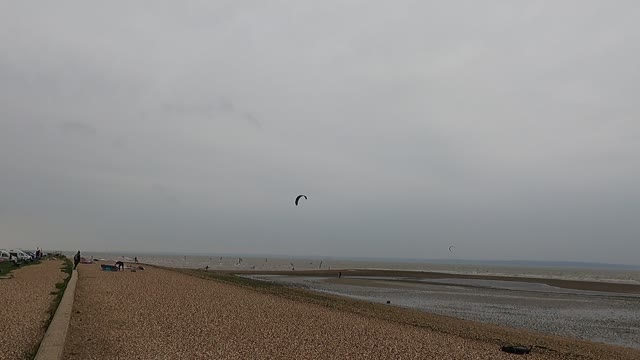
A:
{"x": 6, "y": 267}
{"x": 67, "y": 267}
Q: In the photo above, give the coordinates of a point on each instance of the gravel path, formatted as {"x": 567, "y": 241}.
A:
{"x": 161, "y": 314}
{"x": 24, "y": 304}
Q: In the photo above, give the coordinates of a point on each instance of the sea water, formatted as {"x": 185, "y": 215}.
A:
{"x": 565, "y": 271}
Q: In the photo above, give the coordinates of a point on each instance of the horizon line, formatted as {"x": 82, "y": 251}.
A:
{"x": 359, "y": 258}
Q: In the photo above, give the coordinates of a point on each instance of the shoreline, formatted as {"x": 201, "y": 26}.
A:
{"x": 621, "y": 288}
{"x": 547, "y": 344}
{"x": 610, "y": 318}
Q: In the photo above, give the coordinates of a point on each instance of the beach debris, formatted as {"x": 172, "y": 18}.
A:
{"x": 520, "y": 350}
{"x": 388, "y": 301}
{"x": 299, "y": 197}
{"x": 451, "y": 248}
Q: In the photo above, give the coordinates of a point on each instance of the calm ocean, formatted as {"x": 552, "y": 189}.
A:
{"x": 569, "y": 271}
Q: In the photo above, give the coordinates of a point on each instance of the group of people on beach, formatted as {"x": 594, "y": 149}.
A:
{"x": 119, "y": 264}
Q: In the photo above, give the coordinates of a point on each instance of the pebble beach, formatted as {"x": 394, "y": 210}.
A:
{"x": 164, "y": 314}
{"x": 25, "y": 301}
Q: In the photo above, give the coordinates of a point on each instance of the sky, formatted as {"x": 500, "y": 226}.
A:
{"x": 508, "y": 129}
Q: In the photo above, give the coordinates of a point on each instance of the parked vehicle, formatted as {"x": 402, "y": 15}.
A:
{"x": 4, "y": 255}
{"x": 19, "y": 255}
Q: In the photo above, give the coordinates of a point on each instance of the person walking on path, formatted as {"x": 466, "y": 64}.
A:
{"x": 76, "y": 260}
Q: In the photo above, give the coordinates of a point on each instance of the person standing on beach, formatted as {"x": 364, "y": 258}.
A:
{"x": 339, "y": 274}
{"x": 76, "y": 260}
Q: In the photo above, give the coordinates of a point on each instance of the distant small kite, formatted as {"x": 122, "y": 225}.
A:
{"x": 451, "y": 248}
{"x": 300, "y": 196}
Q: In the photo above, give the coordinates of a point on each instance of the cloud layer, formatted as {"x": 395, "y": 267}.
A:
{"x": 508, "y": 130}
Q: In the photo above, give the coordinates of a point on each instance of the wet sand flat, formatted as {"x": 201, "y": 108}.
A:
{"x": 164, "y": 314}
{"x": 25, "y": 300}
{"x": 424, "y": 275}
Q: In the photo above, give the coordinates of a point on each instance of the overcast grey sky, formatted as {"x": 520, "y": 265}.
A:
{"x": 509, "y": 129}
